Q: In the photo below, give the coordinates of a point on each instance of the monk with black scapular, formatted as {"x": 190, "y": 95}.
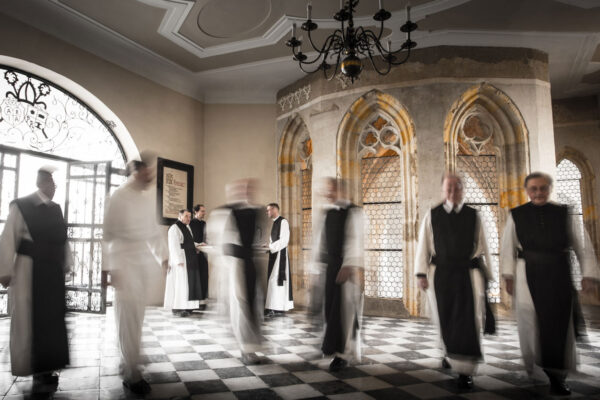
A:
{"x": 535, "y": 260}
{"x": 452, "y": 266}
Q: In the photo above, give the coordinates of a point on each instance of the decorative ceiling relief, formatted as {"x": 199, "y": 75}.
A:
{"x": 214, "y": 12}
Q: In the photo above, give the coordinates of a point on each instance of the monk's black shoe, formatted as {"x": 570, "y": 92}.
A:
{"x": 559, "y": 387}
{"x": 184, "y": 313}
{"x": 46, "y": 378}
{"x": 445, "y": 363}
{"x": 250, "y": 359}
{"x": 337, "y": 364}
{"x": 139, "y": 387}
{"x": 270, "y": 314}
{"x": 464, "y": 381}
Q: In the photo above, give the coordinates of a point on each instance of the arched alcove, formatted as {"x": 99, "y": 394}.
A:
{"x": 587, "y": 182}
{"x": 46, "y": 118}
{"x": 375, "y": 137}
{"x": 295, "y": 194}
{"x": 486, "y": 141}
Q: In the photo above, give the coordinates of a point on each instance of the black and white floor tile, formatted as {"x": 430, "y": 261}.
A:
{"x": 197, "y": 358}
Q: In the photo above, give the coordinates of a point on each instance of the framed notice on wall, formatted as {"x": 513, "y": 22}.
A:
{"x": 174, "y": 189}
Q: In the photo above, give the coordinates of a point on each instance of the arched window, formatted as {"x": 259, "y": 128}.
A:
{"x": 381, "y": 179}
{"x": 568, "y": 191}
{"x": 42, "y": 123}
{"x": 295, "y": 194}
{"x": 376, "y": 158}
{"x": 486, "y": 142}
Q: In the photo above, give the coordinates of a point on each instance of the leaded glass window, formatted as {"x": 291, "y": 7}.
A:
{"x": 480, "y": 178}
{"x": 8, "y": 192}
{"x": 38, "y": 115}
{"x": 568, "y": 191}
{"x": 306, "y": 203}
{"x": 381, "y": 180}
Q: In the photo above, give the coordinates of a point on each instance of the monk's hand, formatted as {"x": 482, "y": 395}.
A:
{"x": 344, "y": 274}
{"x": 588, "y": 285}
{"x": 423, "y": 282}
{"x": 165, "y": 265}
{"x": 510, "y": 285}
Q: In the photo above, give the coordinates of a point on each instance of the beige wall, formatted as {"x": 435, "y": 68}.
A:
{"x": 240, "y": 141}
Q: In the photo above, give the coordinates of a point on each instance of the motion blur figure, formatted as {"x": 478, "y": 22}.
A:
{"x": 34, "y": 259}
{"x": 535, "y": 261}
{"x": 237, "y": 234}
{"x": 452, "y": 266}
{"x": 133, "y": 249}
{"x": 338, "y": 282}
{"x": 198, "y": 227}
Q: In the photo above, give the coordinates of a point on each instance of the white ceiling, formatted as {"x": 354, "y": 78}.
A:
{"x": 178, "y": 45}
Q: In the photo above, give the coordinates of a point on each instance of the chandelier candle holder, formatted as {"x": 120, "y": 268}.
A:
{"x": 345, "y": 47}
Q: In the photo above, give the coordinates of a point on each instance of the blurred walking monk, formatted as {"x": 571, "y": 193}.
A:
{"x": 452, "y": 266}
{"x": 34, "y": 258}
{"x": 340, "y": 257}
{"x": 536, "y": 265}
{"x": 279, "y": 288}
{"x": 134, "y": 249}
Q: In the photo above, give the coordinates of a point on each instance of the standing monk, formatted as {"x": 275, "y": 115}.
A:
{"x": 198, "y": 226}
{"x": 133, "y": 248}
{"x": 34, "y": 259}
{"x": 535, "y": 264}
{"x": 279, "y": 287}
{"x": 183, "y": 290}
{"x": 452, "y": 266}
{"x": 340, "y": 258}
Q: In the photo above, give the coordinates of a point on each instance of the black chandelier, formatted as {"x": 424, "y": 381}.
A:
{"x": 348, "y": 43}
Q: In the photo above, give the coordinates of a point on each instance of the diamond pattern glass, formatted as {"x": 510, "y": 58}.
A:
{"x": 480, "y": 175}
{"x": 382, "y": 191}
{"x": 568, "y": 190}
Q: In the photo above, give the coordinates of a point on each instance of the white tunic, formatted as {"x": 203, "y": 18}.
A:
{"x": 133, "y": 250}
{"x": 423, "y": 265}
{"x": 513, "y": 267}
{"x": 353, "y": 256}
{"x": 232, "y": 290}
{"x": 177, "y": 287}
{"x": 19, "y": 268}
{"x": 278, "y": 296}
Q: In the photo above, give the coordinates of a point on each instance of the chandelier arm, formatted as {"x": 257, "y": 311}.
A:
{"x": 323, "y": 50}
{"x": 380, "y": 72}
{"x": 335, "y": 71}
{"x": 403, "y": 61}
{"x": 306, "y": 62}
{"x": 307, "y": 71}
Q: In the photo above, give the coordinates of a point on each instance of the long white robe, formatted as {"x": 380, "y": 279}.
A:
{"x": 278, "y": 296}
{"x": 177, "y": 286}
{"x": 223, "y": 230}
{"x": 352, "y": 292}
{"x": 133, "y": 249}
{"x": 19, "y": 268}
{"x": 423, "y": 265}
{"x": 513, "y": 267}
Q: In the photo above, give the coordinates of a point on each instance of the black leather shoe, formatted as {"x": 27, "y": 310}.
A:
{"x": 559, "y": 388}
{"x": 49, "y": 378}
{"x": 139, "y": 387}
{"x": 337, "y": 364}
{"x": 445, "y": 363}
{"x": 250, "y": 359}
{"x": 184, "y": 313}
{"x": 464, "y": 381}
{"x": 270, "y": 314}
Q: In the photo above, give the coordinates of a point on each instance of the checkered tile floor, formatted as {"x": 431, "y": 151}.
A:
{"x": 197, "y": 358}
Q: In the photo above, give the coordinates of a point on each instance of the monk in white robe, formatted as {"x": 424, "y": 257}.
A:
{"x": 279, "y": 287}
{"x": 241, "y": 223}
{"x": 133, "y": 250}
{"x": 34, "y": 259}
{"x": 183, "y": 288}
{"x": 452, "y": 266}
{"x": 338, "y": 290}
{"x": 535, "y": 264}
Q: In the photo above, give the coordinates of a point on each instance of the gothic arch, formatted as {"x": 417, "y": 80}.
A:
{"x": 359, "y": 115}
{"x": 486, "y": 139}
{"x": 295, "y": 186}
{"x": 588, "y": 183}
